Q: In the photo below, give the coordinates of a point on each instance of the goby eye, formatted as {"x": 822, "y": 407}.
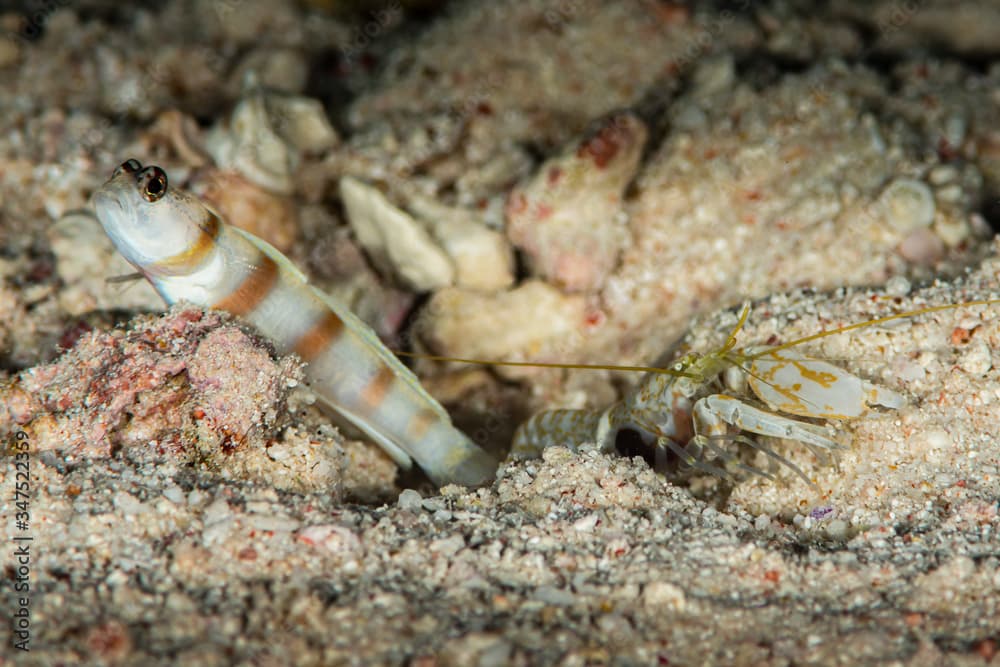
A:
{"x": 129, "y": 166}
{"x": 152, "y": 182}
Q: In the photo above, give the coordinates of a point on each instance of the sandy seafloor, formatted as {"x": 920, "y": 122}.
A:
{"x": 552, "y": 180}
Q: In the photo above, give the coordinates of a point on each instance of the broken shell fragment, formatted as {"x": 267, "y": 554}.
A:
{"x": 395, "y": 240}
{"x": 267, "y": 134}
{"x": 482, "y": 257}
{"x": 431, "y": 246}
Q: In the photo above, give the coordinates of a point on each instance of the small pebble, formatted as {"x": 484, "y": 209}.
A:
{"x": 435, "y": 504}
{"x": 216, "y": 511}
{"x": 555, "y": 596}
{"x": 661, "y": 594}
{"x": 409, "y": 499}
{"x": 127, "y": 503}
{"x": 897, "y": 286}
{"x": 976, "y": 359}
{"x": 448, "y": 546}
{"x": 174, "y": 494}
{"x": 837, "y": 529}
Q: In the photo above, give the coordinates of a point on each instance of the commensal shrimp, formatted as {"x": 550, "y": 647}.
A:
{"x": 686, "y": 412}
{"x": 187, "y": 253}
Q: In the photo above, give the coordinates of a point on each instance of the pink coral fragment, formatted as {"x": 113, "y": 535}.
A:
{"x": 123, "y": 388}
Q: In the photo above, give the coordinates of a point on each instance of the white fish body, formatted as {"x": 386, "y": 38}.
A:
{"x": 187, "y": 253}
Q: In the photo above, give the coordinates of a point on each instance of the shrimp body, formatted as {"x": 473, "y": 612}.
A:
{"x": 690, "y": 409}
{"x": 188, "y": 253}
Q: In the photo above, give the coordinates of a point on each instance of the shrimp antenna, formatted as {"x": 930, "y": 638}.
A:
{"x": 726, "y": 347}
{"x": 542, "y": 364}
{"x": 868, "y": 323}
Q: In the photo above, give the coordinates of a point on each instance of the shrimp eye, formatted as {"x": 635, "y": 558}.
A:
{"x": 129, "y": 166}
{"x": 152, "y": 183}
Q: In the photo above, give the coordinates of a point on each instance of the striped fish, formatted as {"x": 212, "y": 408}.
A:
{"x": 188, "y": 254}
